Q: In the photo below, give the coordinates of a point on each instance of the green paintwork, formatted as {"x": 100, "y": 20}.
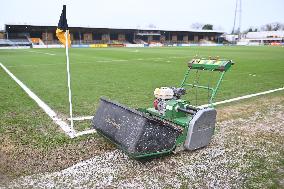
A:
{"x": 203, "y": 64}
{"x": 172, "y": 114}
{"x": 210, "y": 64}
{"x": 178, "y": 117}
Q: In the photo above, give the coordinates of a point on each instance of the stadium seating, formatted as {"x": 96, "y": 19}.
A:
{"x": 36, "y": 41}
{"x": 14, "y": 42}
{"x": 139, "y": 41}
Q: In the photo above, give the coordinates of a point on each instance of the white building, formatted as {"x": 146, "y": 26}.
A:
{"x": 230, "y": 37}
{"x": 263, "y": 37}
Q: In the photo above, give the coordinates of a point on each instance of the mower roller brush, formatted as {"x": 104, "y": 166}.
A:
{"x": 172, "y": 125}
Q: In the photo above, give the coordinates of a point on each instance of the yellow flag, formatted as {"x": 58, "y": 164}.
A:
{"x": 62, "y": 28}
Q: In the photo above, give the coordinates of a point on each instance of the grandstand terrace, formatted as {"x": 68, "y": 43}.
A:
{"x": 45, "y": 35}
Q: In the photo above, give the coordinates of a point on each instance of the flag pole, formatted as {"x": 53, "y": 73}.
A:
{"x": 69, "y": 79}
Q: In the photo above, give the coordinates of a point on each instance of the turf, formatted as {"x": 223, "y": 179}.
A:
{"x": 127, "y": 75}
{"x": 130, "y": 75}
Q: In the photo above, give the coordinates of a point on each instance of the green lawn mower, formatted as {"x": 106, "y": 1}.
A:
{"x": 171, "y": 125}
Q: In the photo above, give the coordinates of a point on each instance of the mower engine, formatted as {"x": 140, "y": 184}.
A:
{"x": 169, "y": 105}
{"x": 164, "y": 95}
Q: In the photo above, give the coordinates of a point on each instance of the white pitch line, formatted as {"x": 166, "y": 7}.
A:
{"x": 103, "y": 61}
{"x": 85, "y": 132}
{"x": 33, "y": 65}
{"x": 51, "y": 54}
{"x": 63, "y": 125}
{"x": 243, "y": 97}
{"x": 82, "y": 118}
{"x": 118, "y": 60}
{"x": 206, "y": 105}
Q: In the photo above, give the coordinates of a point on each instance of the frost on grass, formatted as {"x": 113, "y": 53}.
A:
{"x": 222, "y": 164}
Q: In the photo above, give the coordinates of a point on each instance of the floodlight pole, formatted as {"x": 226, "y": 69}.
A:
{"x": 68, "y": 79}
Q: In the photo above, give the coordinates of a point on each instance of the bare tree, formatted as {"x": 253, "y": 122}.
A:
{"x": 250, "y": 29}
{"x": 266, "y": 27}
{"x": 151, "y": 26}
{"x": 197, "y": 26}
{"x": 275, "y": 26}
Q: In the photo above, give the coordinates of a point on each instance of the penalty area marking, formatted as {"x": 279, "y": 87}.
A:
{"x": 51, "y": 113}
{"x": 51, "y": 54}
{"x": 206, "y": 105}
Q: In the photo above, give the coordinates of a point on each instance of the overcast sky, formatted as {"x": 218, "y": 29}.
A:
{"x": 165, "y": 14}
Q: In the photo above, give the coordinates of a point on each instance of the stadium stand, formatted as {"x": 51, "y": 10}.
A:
{"x": 45, "y": 35}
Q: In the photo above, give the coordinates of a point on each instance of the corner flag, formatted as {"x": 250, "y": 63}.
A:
{"x": 62, "y": 28}
{"x": 63, "y": 35}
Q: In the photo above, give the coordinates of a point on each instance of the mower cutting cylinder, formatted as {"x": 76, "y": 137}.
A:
{"x": 141, "y": 135}
{"x": 133, "y": 131}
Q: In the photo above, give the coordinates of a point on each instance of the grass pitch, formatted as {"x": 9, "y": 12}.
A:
{"x": 128, "y": 75}
{"x": 131, "y": 75}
